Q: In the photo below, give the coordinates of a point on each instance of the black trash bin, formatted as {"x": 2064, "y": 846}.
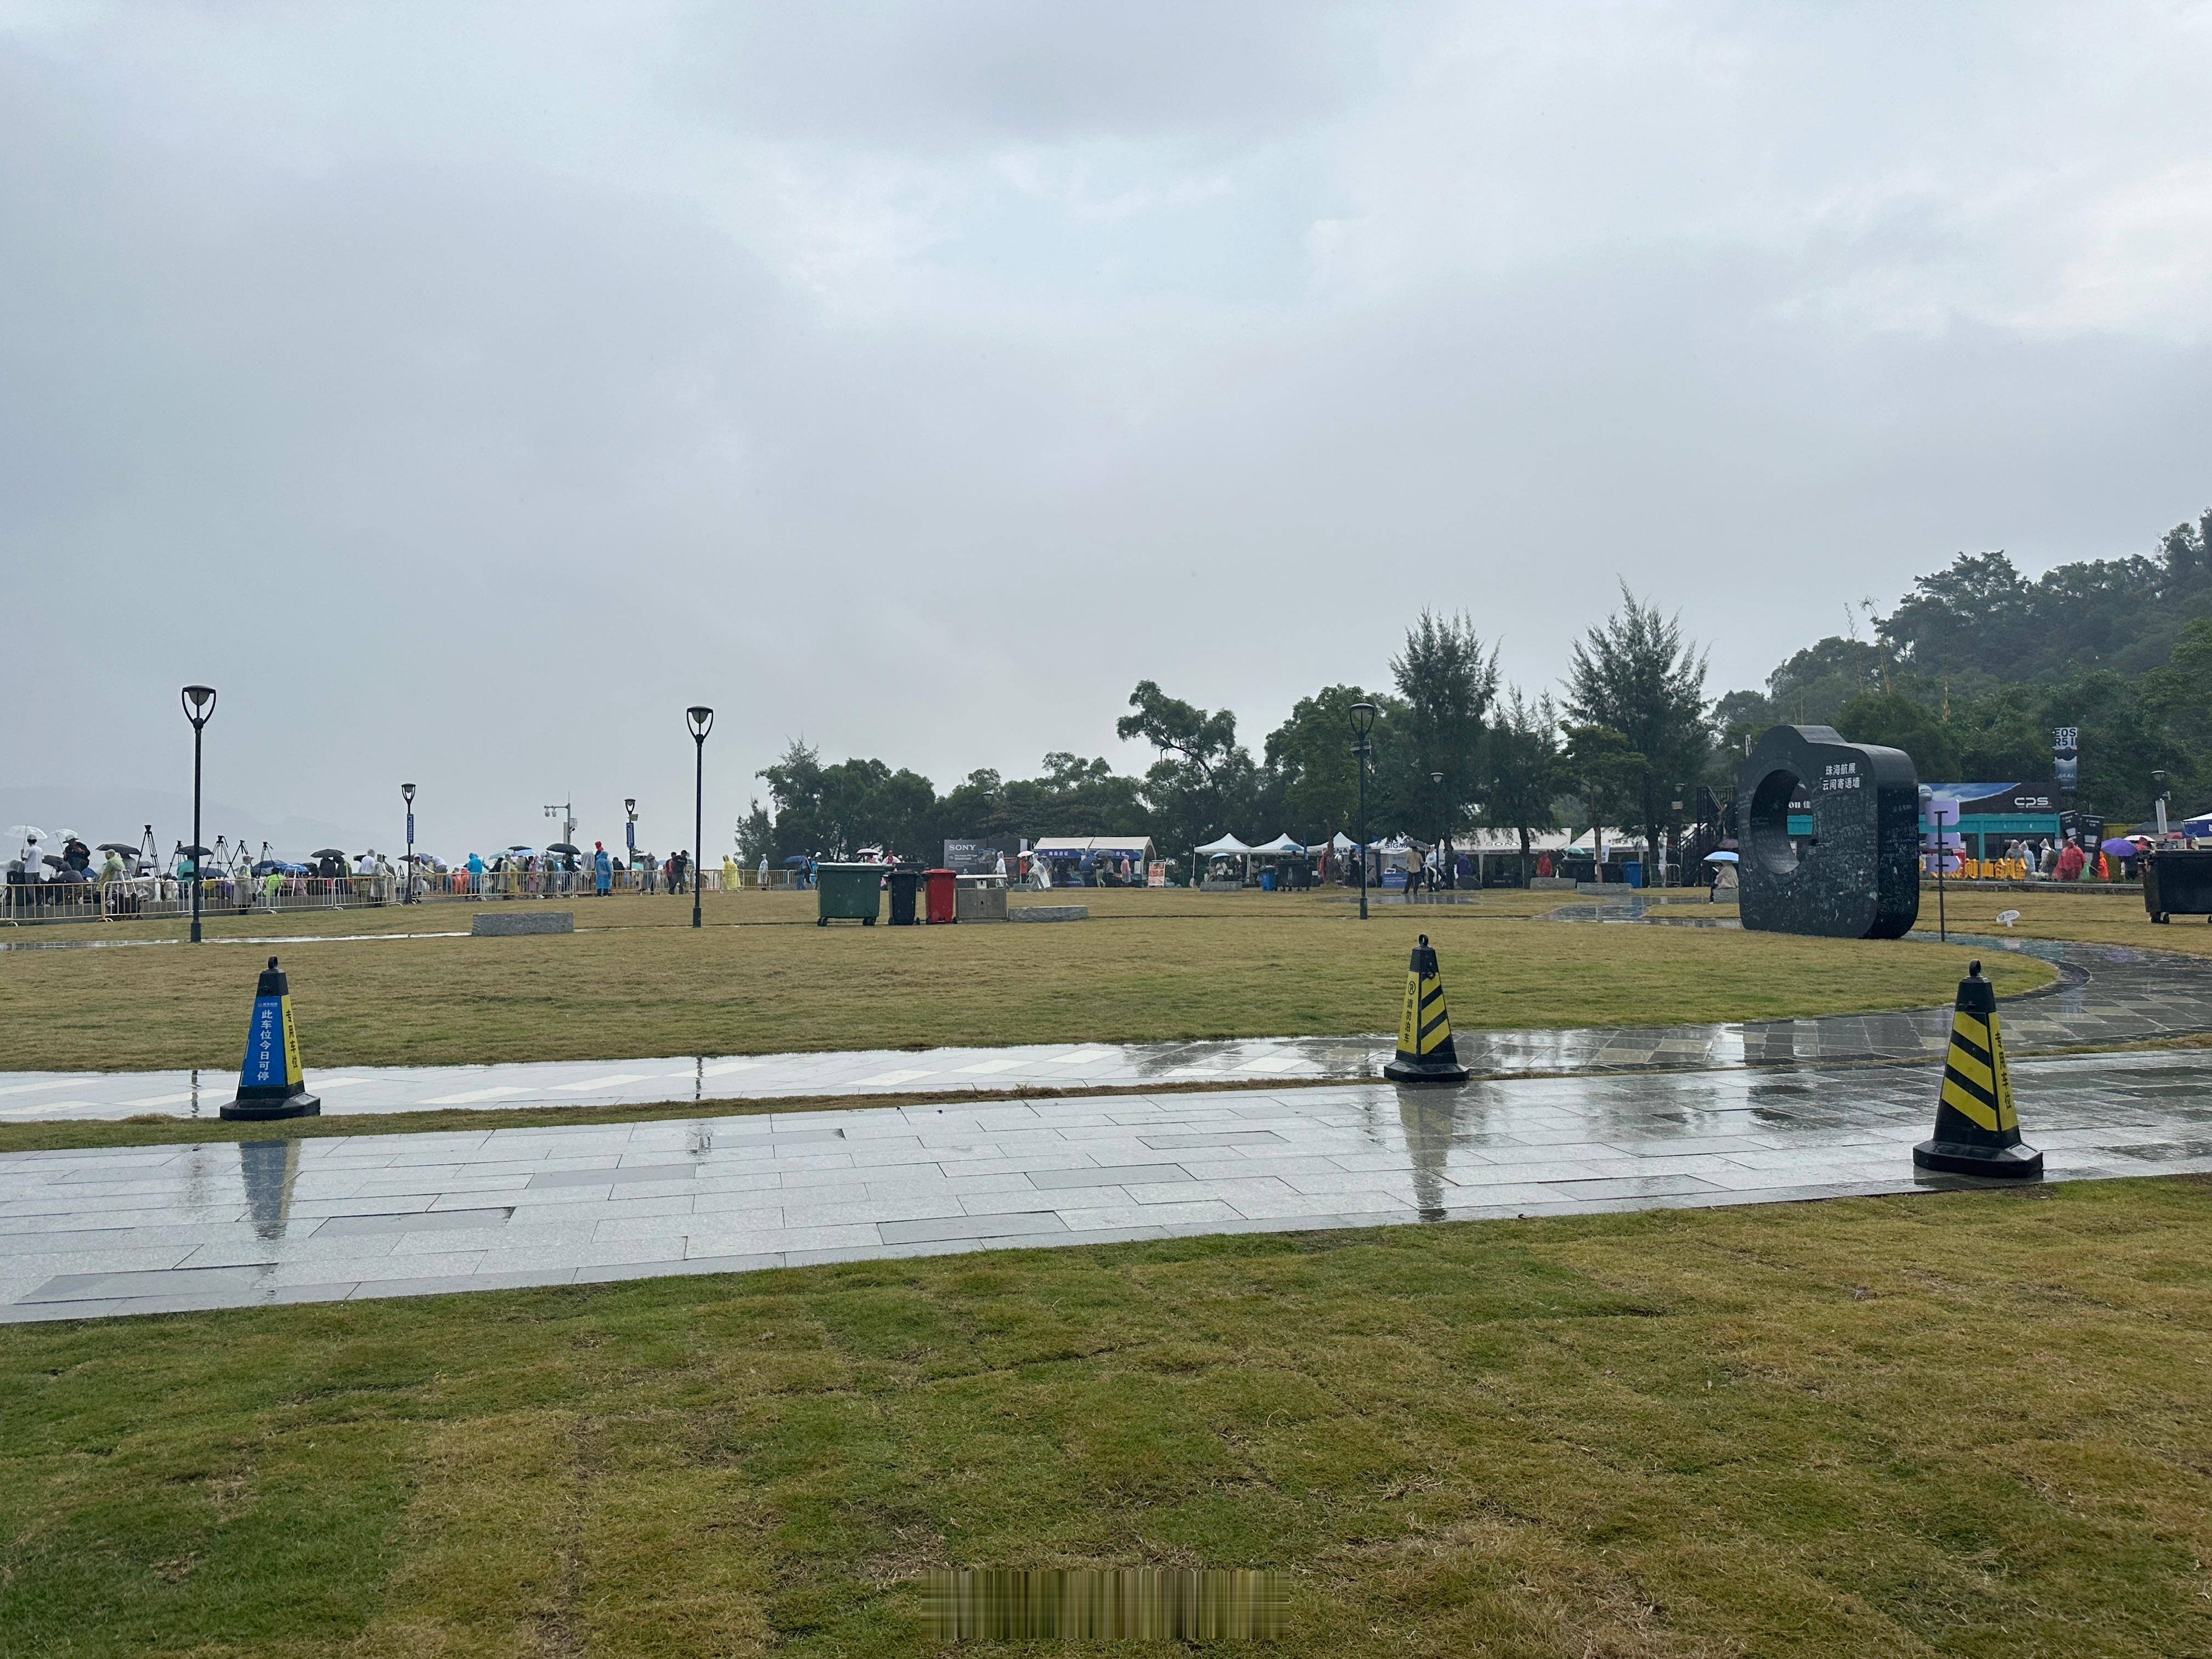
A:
{"x": 905, "y": 880}
{"x": 2178, "y": 884}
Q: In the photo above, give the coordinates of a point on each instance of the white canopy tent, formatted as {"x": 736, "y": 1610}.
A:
{"x": 1281, "y": 847}
{"x": 1227, "y": 847}
{"x": 1138, "y": 848}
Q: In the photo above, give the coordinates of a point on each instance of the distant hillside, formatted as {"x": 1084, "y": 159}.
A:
{"x": 1972, "y": 669}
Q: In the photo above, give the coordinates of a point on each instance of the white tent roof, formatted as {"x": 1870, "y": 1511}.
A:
{"x": 1613, "y": 837}
{"x": 1129, "y": 846}
{"x": 1339, "y": 842}
{"x": 1508, "y": 841}
{"x": 1282, "y": 844}
{"x": 1225, "y": 846}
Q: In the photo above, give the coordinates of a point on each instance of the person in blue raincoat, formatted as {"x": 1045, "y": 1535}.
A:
{"x": 603, "y": 870}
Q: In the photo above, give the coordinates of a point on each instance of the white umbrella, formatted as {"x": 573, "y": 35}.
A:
{"x": 1722, "y": 857}
{"x": 26, "y": 832}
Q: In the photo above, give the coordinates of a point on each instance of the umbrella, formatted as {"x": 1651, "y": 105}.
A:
{"x": 793, "y": 863}
{"x": 279, "y": 867}
{"x": 562, "y": 847}
{"x": 2119, "y": 846}
{"x": 54, "y": 862}
{"x": 1722, "y": 857}
{"x": 116, "y": 847}
{"x": 328, "y": 853}
{"x": 26, "y": 832}
{"x": 194, "y": 852}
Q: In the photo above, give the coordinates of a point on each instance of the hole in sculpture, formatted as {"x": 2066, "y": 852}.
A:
{"x": 1769, "y": 840}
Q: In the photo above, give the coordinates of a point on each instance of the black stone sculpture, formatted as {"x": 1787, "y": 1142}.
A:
{"x": 1858, "y": 875}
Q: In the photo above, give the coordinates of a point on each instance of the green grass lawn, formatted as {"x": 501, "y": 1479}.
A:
{"x": 1196, "y": 966}
{"x": 1966, "y": 1424}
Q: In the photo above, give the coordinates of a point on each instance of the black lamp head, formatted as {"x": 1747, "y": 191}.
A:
{"x": 199, "y": 704}
{"x": 1363, "y": 718}
{"x": 702, "y": 719}
{"x": 407, "y": 793}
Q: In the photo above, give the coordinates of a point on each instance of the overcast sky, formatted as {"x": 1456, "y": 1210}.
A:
{"x": 463, "y": 391}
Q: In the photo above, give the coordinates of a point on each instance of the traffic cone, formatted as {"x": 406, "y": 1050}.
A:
{"x": 1425, "y": 1053}
{"x": 270, "y": 1083}
{"x": 1977, "y": 1131}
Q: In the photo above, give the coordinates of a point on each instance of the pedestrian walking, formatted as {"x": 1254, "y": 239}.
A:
{"x": 2072, "y": 861}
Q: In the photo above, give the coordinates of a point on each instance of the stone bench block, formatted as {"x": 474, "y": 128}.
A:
{"x": 1048, "y": 913}
{"x": 503, "y": 924}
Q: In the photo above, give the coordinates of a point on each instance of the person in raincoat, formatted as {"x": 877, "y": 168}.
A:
{"x": 603, "y": 870}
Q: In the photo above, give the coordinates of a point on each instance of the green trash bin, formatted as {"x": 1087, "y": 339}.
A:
{"x": 849, "y": 892}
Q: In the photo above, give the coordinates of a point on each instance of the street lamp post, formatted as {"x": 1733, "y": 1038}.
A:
{"x": 1443, "y": 826}
{"x": 199, "y": 709}
{"x": 1363, "y": 722}
{"x": 702, "y": 721}
{"x": 407, "y": 794}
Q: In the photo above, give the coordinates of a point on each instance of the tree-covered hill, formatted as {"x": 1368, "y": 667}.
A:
{"x": 1977, "y": 663}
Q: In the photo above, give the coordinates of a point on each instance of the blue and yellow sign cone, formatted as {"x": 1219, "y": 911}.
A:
{"x": 1977, "y": 1130}
{"x": 1425, "y": 1053}
{"x": 270, "y": 1083}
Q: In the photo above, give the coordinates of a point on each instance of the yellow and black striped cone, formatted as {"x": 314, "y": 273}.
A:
{"x": 1977, "y": 1130}
{"x": 270, "y": 1083}
{"x": 1425, "y": 1053}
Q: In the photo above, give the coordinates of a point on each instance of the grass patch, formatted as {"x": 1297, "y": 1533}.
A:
{"x": 2093, "y": 918}
{"x": 1962, "y": 1424}
{"x": 1212, "y": 966}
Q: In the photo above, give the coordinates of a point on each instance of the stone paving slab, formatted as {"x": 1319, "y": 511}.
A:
{"x": 2107, "y": 994}
{"x": 236, "y": 1225}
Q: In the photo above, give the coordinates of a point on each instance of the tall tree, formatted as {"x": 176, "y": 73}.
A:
{"x": 1526, "y": 772}
{"x": 794, "y": 785}
{"x": 1202, "y": 775}
{"x": 1309, "y": 760}
{"x": 1447, "y": 684}
{"x": 1897, "y": 721}
{"x": 1635, "y": 674}
{"x": 1605, "y": 773}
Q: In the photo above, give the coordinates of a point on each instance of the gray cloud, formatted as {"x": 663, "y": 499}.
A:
{"x": 465, "y": 393}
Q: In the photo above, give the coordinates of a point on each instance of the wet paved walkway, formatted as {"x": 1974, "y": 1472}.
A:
{"x": 2108, "y": 995}
{"x": 138, "y": 1230}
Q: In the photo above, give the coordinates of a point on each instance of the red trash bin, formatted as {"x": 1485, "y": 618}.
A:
{"x": 941, "y": 885}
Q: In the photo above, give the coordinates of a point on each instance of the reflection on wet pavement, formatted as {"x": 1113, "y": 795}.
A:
{"x": 2107, "y": 995}
{"x": 90, "y": 1233}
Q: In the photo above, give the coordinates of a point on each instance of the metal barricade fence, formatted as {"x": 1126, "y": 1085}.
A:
{"x": 157, "y": 897}
{"x": 138, "y": 898}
